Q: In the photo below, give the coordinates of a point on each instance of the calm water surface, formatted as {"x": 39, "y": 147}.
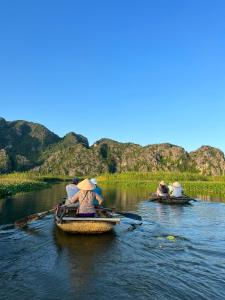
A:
{"x": 177, "y": 253}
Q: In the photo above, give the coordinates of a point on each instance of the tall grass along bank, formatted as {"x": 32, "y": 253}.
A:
{"x": 24, "y": 182}
{"x": 192, "y": 183}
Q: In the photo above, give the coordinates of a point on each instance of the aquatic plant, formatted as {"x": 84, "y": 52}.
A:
{"x": 25, "y": 181}
{"x": 193, "y": 184}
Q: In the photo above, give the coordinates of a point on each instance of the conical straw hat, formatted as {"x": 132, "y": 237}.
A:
{"x": 93, "y": 180}
{"x": 176, "y": 184}
{"x": 86, "y": 185}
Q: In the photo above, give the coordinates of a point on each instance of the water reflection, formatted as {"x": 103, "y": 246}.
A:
{"x": 177, "y": 252}
{"x": 163, "y": 210}
{"x": 23, "y": 204}
{"x": 124, "y": 198}
{"x": 85, "y": 254}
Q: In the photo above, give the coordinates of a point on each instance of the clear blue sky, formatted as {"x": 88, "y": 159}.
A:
{"x": 132, "y": 70}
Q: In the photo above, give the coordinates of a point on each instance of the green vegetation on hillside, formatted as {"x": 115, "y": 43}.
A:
{"x": 30, "y": 146}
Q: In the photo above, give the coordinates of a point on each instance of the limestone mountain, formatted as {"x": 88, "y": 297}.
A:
{"x": 5, "y": 163}
{"x": 208, "y": 160}
{"x": 27, "y": 145}
{"x": 22, "y": 144}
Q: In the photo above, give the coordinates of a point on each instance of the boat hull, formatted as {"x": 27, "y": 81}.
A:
{"x": 172, "y": 200}
{"x": 86, "y": 225}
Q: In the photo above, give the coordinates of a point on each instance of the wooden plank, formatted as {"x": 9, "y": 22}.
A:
{"x": 91, "y": 219}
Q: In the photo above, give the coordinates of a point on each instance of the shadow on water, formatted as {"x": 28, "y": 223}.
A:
{"x": 85, "y": 256}
{"x": 83, "y": 247}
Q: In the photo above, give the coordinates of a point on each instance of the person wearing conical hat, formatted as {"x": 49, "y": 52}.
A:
{"x": 162, "y": 190}
{"x": 177, "y": 189}
{"x": 86, "y": 197}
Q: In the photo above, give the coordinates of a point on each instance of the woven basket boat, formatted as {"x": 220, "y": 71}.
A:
{"x": 86, "y": 225}
{"x": 172, "y": 200}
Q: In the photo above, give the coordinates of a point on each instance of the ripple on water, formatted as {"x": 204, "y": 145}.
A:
{"x": 177, "y": 253}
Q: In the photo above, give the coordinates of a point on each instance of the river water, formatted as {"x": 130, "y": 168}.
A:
{"x": 177, "y": 252}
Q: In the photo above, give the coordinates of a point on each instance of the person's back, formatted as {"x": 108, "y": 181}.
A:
{"x": 86, "y": 202}
{"x": 85, "y": 197}
{"x": 177, "y": 190}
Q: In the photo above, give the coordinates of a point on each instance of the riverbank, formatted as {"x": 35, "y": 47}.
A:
{"x": 192, "y": 183}
{"x": 24, "y": 182}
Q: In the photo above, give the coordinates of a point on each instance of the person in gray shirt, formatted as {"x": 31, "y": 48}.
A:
{"x": 71, "y": 190}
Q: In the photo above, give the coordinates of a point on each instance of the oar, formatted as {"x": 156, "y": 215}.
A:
{"x": 191, "y": 199}
{"x": 23, "y": 222}
{"x": 153, "y": 199}
{"x": 125, "y": 214}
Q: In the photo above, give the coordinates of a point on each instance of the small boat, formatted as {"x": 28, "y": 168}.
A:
{"x": 172, "y": 200}
{"x": 86, "y": 225}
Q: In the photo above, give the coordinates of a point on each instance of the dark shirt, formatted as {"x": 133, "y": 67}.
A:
{"x": 164, "y": 189}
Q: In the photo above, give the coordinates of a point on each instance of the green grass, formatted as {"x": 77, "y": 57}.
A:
{"x": 193, "y": 184}
{"x": 23, "y": 182}
{"x": 157, "y": 176}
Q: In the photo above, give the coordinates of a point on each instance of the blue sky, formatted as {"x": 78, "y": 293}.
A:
{"x": 142, "y": 71}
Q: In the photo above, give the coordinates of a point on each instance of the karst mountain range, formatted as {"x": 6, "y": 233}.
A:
{"x": 30, "y": 146}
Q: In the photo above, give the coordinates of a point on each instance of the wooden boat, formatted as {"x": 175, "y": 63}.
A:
{"x": 74, "y": 224}
{"x": 172, "y": 200}
{"x": 86, "y": 225}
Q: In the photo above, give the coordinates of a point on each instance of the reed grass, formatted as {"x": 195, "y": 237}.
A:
{"x": 25, "y": 181}
{"x": 192, "y": 183}
{"x": 157, "y": 176}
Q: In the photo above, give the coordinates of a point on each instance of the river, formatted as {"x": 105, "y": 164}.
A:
{"x": 177, "y": 252}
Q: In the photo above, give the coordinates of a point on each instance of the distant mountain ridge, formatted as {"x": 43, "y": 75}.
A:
{"x": 30, "y": 146}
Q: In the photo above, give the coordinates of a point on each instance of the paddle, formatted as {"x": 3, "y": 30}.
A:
{"x": 155, "y": 197}
{"x": 191, "y": 199}
{"x": 23, "y": 222}
{"x": 125, "y": 214}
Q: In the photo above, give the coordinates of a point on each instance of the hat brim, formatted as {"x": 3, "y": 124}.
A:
{"x": 86, "y": 185}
